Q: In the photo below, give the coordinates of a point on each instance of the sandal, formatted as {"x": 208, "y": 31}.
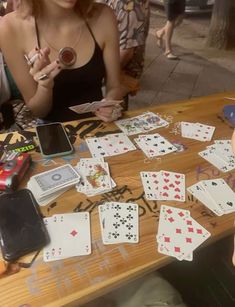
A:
{"x": 159, "y": 41}
{"x": 169, "y": 55}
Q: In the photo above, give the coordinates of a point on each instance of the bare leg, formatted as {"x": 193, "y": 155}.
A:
{"x": 169, "y": 32}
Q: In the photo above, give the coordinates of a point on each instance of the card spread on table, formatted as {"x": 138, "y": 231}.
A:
{"x": 220, "y": 155}
{"x": 215, "y": 194}
{"x": 142, "y": 123}
{"x": 163, "y": 185}
{"x": 69, "y": 236}
{"x": 49, "y": 185}
{"x": 95, "y": 177}
{"x": 119, "y": 222}
{"x": 178, "y": 233}
{"x": 154, "y": 145}
{"x": 197, "y": 131}
{"x": 109, "y": 145}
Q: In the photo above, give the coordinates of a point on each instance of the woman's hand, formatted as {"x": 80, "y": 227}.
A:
{"x": 110, "y": 111}
{"x": 41, "y": 69}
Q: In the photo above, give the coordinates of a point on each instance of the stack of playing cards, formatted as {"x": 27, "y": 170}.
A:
{"x": 197, "y": 131}
{"x": 154, "y": 145}
{"x": 220, "y": 155}
{"x": 163, "y": 185}
{"x": 145, "y": 122}
{"x": 119, "y": 222}
{"x": 95, "y": 105}
{"x": 179, "y": 234}
{"x": 48, "y": 185}
{"x": 95, "y": 177}
{"x": 215, "y": 194}
{"x": 70, "y": 236}
{"x": 109, "y": 145}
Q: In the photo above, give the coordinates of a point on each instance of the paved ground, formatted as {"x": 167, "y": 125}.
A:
{"x": 200, "y": 71}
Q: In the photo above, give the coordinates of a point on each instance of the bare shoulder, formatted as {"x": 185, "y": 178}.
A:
{"x": 102, "y": 14}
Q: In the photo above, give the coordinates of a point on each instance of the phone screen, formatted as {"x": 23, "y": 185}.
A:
{"x": 53, "y": 139}
{"x": 21, "y": 226}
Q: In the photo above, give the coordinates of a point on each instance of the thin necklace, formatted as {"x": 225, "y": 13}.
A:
{"x": 67, "y": 55}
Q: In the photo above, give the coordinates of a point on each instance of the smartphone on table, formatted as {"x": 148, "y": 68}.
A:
{"x": 22, "y": 229}
{"x": 53, "y": 140}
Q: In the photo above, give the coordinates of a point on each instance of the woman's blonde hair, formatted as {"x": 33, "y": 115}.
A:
{"x": 33, "y": 7}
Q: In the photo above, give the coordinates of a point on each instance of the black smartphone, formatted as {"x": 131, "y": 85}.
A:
{"x": 53, "y": 140}
{"x": 22, "y": 229}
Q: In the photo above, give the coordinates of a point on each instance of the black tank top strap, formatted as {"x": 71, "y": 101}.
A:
{"x": 37, "y": 34}
{"x": 92, "y": 34}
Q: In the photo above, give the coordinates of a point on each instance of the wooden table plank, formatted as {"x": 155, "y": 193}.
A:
{"x": 80, "y": 279}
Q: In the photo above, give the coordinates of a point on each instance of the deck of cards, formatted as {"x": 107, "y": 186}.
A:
{"x": 154, "y": 145}
{"x": 95, "y": 177}
{"x": 119, "y": 222}
{"x": 197, "y": 131}
{"x": 109, "y": 145}
{"x": 142, "y": 123}
{"x": 70, "y": 236}
{"x": 48, "y": 185}
{"x": 215, "y": 194}
{"x": 178, "y": 233}
{"x": 163, "y": 185}
{"x": 220, "y": 155}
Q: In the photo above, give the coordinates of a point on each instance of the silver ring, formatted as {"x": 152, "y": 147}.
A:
{"x": 30, "y": 61}
{"x": 43, "y": 77}
{"x": 116, "y": 113}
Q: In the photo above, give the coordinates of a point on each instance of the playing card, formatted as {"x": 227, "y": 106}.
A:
{"x": 203, "y": 132}
{"x": 141, "y": 123}
{"x": 198, "y": 191}
{"x": 154, "y": 145}
{"x": 221, "y": 193}
{"x": 187, "y": 129}
{"x": 150, "y": 183}
{"x": 119, "y": 222}
{"x": 171, "y": 186}
{"x": 179, "y": 234}
{"x": 94, "y": 106}
{"x": 215, "y": 160}
{"x": 69, "y": 234}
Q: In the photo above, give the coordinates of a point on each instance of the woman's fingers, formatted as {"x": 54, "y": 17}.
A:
{"x": 108, "y": 114}
{"x": 47, "y": 74}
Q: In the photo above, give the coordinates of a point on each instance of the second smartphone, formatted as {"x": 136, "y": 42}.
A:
{"x": 53, "y": 140}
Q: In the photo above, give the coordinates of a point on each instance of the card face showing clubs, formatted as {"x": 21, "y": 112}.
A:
{"x": 178, "y": 233}
{"x": 215, "y": 194}
{"x": 154, "y": 145}
{"x": 119, "y": 222}
{"x": 220, "y": 154}
{"x": 164, "y": 185}
{"x": 70, "y": 236}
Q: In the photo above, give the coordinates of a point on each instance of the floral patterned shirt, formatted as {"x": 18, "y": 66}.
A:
{"x": 133, "y": 25}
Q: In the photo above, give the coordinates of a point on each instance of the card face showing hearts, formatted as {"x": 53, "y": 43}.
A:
{"x": 119, "y": 222}
{"x": 69, "y": 236}
{"x": 178, "y": 233}
{"x": 142, "y": 123}
{"x": 164, "y": 185}
{"x": 172, "y": 186}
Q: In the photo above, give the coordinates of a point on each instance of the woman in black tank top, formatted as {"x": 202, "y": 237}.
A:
{"x": 54, "y": 81}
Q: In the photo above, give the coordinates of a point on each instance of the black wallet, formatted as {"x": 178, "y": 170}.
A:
{"x": 22, "y": 230}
